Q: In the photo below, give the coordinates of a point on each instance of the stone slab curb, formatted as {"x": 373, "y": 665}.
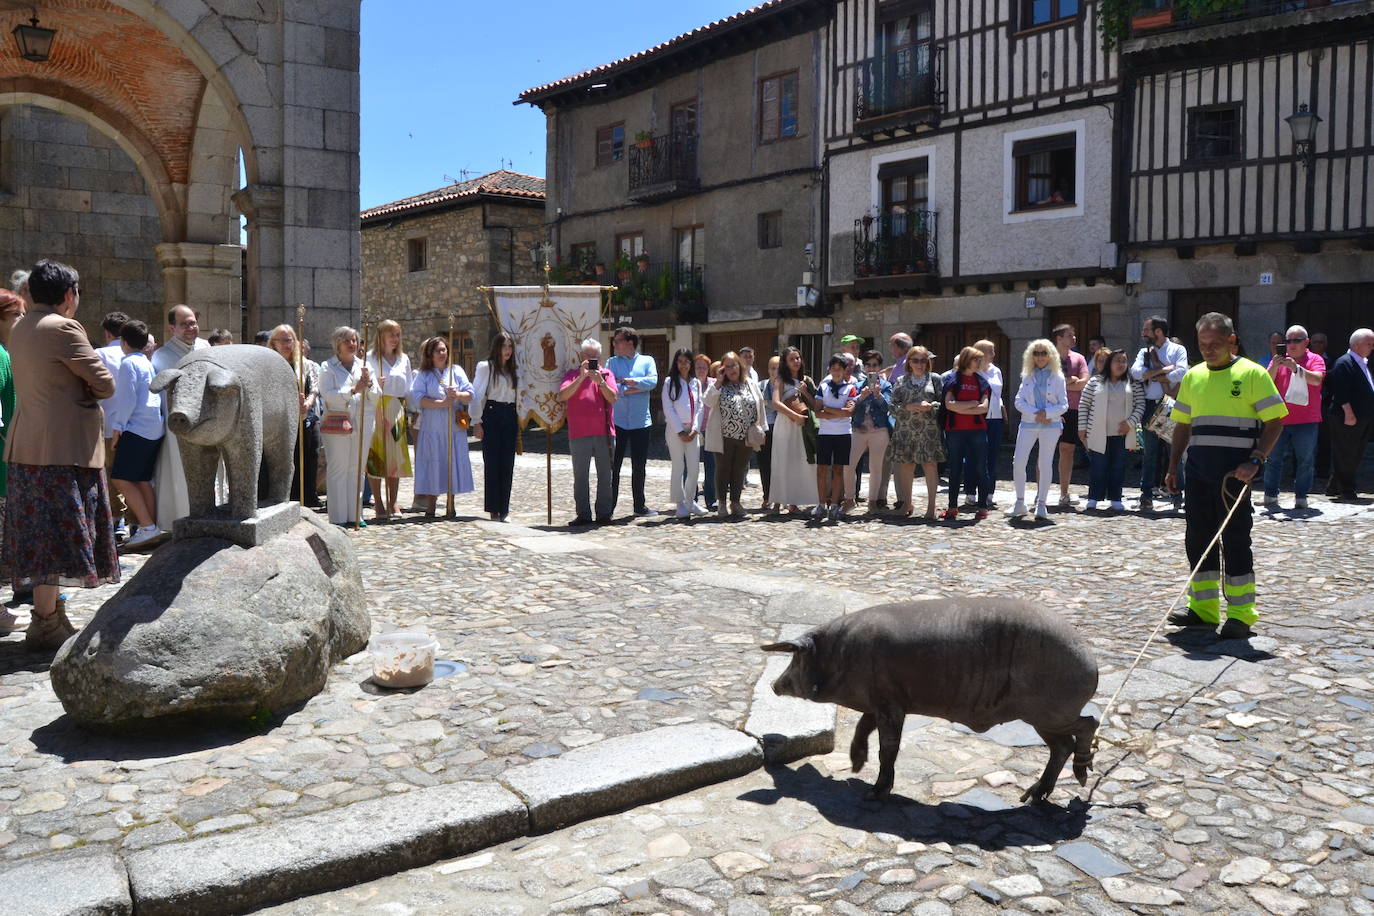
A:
{"x": 621, "y": 772}
{"x": 788, "y": 728}
{"x": 257, "y": 866}
{"x": 82, "y": 883}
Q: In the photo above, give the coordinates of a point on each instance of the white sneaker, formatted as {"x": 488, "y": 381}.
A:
{"x": 1018, "y": 510}
{"x": 1300, "y": 502}
{"x": 1118, "y": 506}
{"x": 12, "y": 621}
{"x": 1041, "y": 513}
{"x": 143, "y": 535}
{"x": 1090, "y": 505}
{"x": 697, "y": 509}
{"x": 683, "y": 510}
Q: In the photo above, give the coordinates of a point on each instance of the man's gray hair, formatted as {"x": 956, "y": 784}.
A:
{"x": 850, "y": 359}
{"x": 591, "y": 343}
{"x": 1216, "y": 321}
{"x": 902, "y": 338}
{"x": 1359, "y": 335}
{"x": 1299, "y": 330}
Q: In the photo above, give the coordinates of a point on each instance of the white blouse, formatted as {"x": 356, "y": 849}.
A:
{"x": 336, "y": 386}
{"x": 489, "y": 386}
{"x": 392, "y": 378}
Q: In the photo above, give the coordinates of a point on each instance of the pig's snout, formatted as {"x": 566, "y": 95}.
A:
{"x": 179, "y": 422}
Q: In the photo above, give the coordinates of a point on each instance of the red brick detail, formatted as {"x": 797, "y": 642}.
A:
{"x": 108, "y": 54}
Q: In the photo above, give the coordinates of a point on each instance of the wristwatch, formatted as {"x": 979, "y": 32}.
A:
{"x": 1256, "y": 459}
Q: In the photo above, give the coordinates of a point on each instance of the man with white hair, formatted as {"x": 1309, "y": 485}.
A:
{"x": 1350, "y": 416}
{"x": 589, "y": 391}
{"x": 1298, "y": 377}
{"x": 169, "y": 480}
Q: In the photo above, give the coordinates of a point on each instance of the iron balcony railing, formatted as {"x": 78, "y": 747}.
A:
{"x": 900, "y": 81}
{"x": 680, "y": 287}
{"x": 665, "y": 163}
{"x": 895, "y": 244}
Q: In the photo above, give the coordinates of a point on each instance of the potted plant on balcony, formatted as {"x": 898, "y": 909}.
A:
{"x": 599, "y": 270}
{"x": 642, "y": 261}
{"x": 624, "y": 266}
{"x": 664, "y": 283}
{"x": 644, "y": 139}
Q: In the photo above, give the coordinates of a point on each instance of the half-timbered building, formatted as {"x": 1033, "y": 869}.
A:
{"x": 688, "y": 175}
{"x": 1230, "y": 203}
{"x": 969, "y": 172}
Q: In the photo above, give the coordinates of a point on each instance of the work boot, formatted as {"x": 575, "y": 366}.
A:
{"x": 1189, "y": 618}
{"x": 50, "y": 632}
{"x": 1234, "y": 629}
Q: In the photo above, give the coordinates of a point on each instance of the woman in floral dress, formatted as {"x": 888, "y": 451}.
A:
{"x": 916, "y": 430}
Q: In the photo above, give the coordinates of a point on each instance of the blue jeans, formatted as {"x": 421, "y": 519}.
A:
{"x": 1149, "y": 454}
{"x": 1301, "y": 438}
{"x": 1107, "y": 470}
{"x": 708, "y": 472}
{"x": 990, "y": 474}
{"x": 968, "y": 449}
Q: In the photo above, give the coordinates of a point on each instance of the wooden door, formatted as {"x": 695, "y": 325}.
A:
{"x": 763, "y": 340}
{"x": 946, "y": 340}
{"x": 1333, "y": 309}
{"x": 1086, "y": 321}
{"x": 656, "y": 347}
{"x": 1186, "y": 306}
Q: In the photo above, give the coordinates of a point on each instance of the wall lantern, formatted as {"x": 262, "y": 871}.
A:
{"x": 35, "y": 42}
{"x": 1304, "y": 128}
{"x": 540, "y": 255}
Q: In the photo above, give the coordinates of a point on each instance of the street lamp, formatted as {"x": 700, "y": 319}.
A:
{"x": 35, "y": 42}
{"x": 540, "y": 254}
{"x": 1304, "y": 128}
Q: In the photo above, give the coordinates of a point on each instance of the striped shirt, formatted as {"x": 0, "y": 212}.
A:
{"x": 1226, "y": 408}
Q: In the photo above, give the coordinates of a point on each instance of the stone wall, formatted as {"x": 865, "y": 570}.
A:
{"x": 472, "y": 245}
{"x": 69, "y": 192}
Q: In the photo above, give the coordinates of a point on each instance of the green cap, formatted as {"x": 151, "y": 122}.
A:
{"x": 851, "y": 338}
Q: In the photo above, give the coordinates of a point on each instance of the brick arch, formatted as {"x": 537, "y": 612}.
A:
{"x": 113, "y": 124}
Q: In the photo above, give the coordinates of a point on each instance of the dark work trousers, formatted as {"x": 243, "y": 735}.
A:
{"x": 994, "y": 446}
{"x": 1203, "y": 512}
{"x": 498, "y": 455}
{"x": 766, "y": 463}
{"x": 637, "y": 441}
{"x": 1347, "y": 450}
{"x": 731, "y": 466}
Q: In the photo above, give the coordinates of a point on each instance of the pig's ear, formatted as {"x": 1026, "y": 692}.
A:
{"x": 164, "y": 380}
{"x": 800, "y": 644}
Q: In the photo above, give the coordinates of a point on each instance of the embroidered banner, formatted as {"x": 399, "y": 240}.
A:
{"x": 548, "y": 331}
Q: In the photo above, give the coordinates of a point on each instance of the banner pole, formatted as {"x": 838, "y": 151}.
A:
{"x": 548, "y": 472}
{"x": 300, "y": 380}
{"x": 452, "y": 423}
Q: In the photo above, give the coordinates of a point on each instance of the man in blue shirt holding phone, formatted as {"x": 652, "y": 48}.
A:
{"x": 636, "y": 377}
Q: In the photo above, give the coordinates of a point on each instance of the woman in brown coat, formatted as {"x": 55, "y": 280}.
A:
{"x": 58, "y": 530}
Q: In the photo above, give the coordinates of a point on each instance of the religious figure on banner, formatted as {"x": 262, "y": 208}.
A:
{"x": 549, "y": 327}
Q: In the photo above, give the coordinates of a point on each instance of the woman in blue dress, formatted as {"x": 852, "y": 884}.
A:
{"x": 443, "y": 394}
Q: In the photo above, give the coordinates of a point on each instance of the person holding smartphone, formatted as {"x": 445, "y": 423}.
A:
{"x": 872, "y": 425}
{"x": 589, "y": 391}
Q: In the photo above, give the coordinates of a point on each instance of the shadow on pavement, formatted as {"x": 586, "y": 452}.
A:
{"x": 984, "y": 820}
{"x": 64, "y": 739}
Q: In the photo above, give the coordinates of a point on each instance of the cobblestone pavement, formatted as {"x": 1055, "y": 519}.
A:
{"x": 1255, "y": 795}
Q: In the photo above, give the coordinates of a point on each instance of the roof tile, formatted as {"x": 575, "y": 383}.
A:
{"x": 501, "y": 183}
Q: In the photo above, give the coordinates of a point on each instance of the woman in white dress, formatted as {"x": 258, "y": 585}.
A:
{"x": 350, "y": 391}
{"x": 441, "y": 391}
{"x": 388, "y": 454}
{"x": 792, "y": 482}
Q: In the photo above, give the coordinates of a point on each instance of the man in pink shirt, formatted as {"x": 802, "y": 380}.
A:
{"x": 1076, "y": 376}
{"x": 589, "y": 391}
{"x": 1303, "y": 421}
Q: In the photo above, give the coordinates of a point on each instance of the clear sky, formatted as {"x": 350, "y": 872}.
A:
{"x": 438, "y": 78}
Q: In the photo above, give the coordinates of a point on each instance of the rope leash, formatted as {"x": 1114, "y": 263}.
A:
{"x": 1142, "y": 742}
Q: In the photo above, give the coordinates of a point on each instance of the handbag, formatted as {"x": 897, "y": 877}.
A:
{"x": 1159, "y": 422}
{"x": 755, "y": 436}
{"x": 337, "y": 423}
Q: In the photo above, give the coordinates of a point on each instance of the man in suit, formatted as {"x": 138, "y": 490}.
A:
{"x": 1350, "y": 416}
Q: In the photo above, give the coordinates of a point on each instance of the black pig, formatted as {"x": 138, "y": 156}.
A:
{"x": 977, "y": 661}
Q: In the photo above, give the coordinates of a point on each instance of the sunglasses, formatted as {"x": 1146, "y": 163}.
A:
{"x": 918, "y": 359}
{"x": 1296, "y": 340}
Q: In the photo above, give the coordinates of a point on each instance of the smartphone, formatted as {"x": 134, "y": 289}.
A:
{"x": 1281, "y": 350}
{"x": 594, "y": 364}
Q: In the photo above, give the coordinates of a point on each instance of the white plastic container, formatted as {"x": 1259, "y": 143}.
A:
{"x": 403, "y": 659}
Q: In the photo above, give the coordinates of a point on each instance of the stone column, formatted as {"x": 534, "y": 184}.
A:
{"x": 206, "y": 277}
{"x": 261, "y": 206}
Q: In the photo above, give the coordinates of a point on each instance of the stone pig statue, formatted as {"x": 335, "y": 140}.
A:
{"x": 977, "y": 661}
{"x": 238, "y": 403}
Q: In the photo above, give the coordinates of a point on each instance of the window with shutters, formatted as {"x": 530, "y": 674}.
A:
{"x": 1046, "y": 171}
{"x": 778, "y": 107}
{"x": 417, "y": 254}
{"x": 1214, "y": 133}
{"x": 770, "y": 229}
{"x": 610, "y": 144}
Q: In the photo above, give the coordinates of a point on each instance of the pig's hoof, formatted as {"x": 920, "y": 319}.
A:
{"x": 1036, "y": 793}
{"x": 876, "y": 794}
{"x": 1081, "y": 774}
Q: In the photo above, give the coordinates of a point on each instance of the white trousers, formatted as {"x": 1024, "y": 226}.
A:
{"x": 1025, "y": 440}
{"x": 685, "y": 456}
